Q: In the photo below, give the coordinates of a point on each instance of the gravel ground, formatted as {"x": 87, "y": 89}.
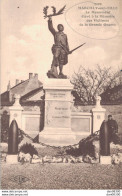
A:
{"x": 62, "y": 176}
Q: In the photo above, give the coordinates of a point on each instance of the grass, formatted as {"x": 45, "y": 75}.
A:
{"x": 62, "y": 176}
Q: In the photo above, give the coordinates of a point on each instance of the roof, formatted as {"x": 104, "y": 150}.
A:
{"x": 22, "y": 89}
{"x": 26, "y": 86}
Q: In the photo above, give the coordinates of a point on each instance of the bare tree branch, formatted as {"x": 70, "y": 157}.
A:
{"x": 89, "y": 83}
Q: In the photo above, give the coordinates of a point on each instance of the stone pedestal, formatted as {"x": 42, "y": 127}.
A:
{"x": 105, "y": 160}
{"x": 12, "y": 159}
{"x": 98, "y": 115}
{"x": 57, "y": 124}
{"x": 16, "y": 112}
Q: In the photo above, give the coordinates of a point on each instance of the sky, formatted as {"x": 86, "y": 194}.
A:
{"x": 26, "y": 41}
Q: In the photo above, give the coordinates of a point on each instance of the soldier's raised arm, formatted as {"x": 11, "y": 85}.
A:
{"x": 50, "y": 26}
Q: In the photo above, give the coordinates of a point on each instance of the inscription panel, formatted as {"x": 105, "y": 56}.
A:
{"x": 57, "y": 114}
{"x": 60, "y": 95}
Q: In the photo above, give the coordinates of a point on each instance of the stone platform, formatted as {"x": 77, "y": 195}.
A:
{"x": 57, "y": 123}
{"x": 12, "y": 159}
{"x": 105, "y": 160}
{"x": 57, "y": 137}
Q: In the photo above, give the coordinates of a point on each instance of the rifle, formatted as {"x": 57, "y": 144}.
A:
{"x": 76, "y": 48}
{"x": 72, "y": 49}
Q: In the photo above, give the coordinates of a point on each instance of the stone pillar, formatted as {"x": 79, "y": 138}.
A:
{"x": 98, "y": 115}
{"x": 57, "y": 123}
{"x": 16, "y": 112}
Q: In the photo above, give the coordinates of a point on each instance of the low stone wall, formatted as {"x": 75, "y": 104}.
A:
{"x": 114, "y": 110}
{"x": 81, "y": 124}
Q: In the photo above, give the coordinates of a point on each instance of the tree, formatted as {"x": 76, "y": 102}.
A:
{"x": 89, "y": 83}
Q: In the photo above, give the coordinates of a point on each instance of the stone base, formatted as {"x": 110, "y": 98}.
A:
{"x": 58, "y": 137}
{"x": 12, "y": 159}
{"x": 105, "y": 160}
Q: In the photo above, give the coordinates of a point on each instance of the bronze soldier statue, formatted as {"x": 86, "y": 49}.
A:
{"x": 60, "y": 50}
